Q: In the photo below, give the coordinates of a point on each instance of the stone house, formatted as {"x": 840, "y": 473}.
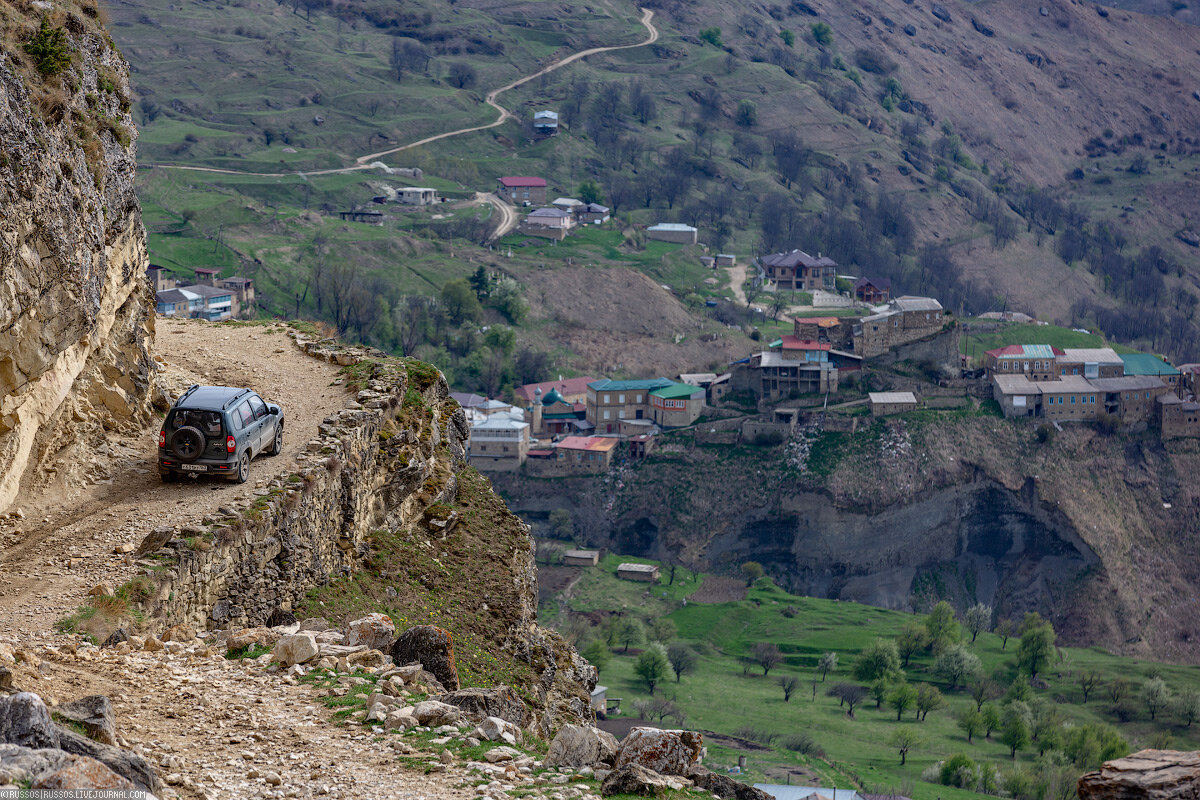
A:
{"x": 673, "y": 232}
{"x": 522, "y": 190}
{"x": 585, "y": 454}
{"x": 677, "y": 405}
{"x": 837, "y": 331}
{"x": 1131, "y": 397}
{"x": 160, "y": 279}
{"x": 177, "y": 303}
{"x": 243, "y": 293}
{"x": 1070, "y": 398}
{"x": 581, "y": 558}
{"x": 886, "y": 403}
{"x": 715, "y": 386}
{"x": 771, "y": 376}
{"x": 416, "y": 195}
{"x": 1177, "y": 418}
{"x": 592, "y": 214}
{"x": 797, "y": 270}
{"x": 1090, "y": 362}
{"x": 610, "y": 401}
{"x": 205, "y": 276}
{"x": 568, "y": 204}
{"x": 873, "y": 291}
{"x": 499, "y": 443}
{"x": 1017, "y": 395}
{"x": 907, "y": 319}
{"x": 638, "y": 572}
{"x": 1038, "y": 362}
{"x": 725, "y": 260}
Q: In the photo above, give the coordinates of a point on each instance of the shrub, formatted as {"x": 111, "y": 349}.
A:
{"x": 956, "y": 769}
{"x": 712, "y": 36}
{"x": 822, "y": 34}
{"x": 802, "y": 743}
{"x": 49, "y": 48}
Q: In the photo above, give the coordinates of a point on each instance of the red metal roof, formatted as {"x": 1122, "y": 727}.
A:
{"x": 792, "y": 343}
{"x": 1021, "y": 351}
{"x": 565, "y": 387}
{"x": 517, "y": 181}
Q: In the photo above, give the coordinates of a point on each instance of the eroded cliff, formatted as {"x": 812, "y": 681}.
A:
{"x": 75, "y": 308}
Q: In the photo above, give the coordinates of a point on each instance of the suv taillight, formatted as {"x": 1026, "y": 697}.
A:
{"x": 162, "y": 438}
{"x": 230, "y": 444}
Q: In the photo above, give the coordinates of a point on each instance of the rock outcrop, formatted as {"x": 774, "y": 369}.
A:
{"x": 665, "y": 752}
{"x": 75, "y": 306}
{"x": 1145, "y": 775}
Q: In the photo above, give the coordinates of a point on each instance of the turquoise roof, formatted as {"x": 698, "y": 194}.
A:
{"x": 606, "y": 385}
{"x": 1146, "y": 364}
{"x": 553, "y": 396}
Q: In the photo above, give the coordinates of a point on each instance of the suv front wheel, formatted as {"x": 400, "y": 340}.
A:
{"x": 277, "y": 442}
{"x": 243, "y": 470}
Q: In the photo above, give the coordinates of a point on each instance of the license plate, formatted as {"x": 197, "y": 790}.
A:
{"x": 194, "y": 467}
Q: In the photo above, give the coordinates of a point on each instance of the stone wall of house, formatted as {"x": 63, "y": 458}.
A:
{"x": 940, "y": 349}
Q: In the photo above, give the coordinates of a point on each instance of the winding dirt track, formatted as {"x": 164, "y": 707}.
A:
{"x": 366, "y": 162}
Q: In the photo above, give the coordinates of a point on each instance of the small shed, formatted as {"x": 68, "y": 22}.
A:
{"x": 884, "y": 403}
{"x": 581, "y": 558}
{"x": 726, "y": 260}
{"x": 638, "y": 572}
{"x": 672, "y": 232}
{"x": 546, "y": 122}
{"x": 417, "y": 195}
{"x": 600, "y": 699}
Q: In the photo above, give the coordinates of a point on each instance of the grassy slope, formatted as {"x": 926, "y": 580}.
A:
{"x": 721, "y": 698}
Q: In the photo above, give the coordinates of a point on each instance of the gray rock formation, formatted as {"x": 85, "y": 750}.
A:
{"x": 1145, "y": 775}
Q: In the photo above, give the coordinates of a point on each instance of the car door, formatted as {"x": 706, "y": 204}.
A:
{"x": 263, "y": 430}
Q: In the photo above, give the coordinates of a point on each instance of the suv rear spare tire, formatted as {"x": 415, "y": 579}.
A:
{"x": 187, "y": 443}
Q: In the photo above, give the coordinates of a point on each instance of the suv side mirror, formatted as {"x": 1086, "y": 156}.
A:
{"x": 273, "y": 410}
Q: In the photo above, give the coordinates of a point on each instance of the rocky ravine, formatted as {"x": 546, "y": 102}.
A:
{"x": 75, "y": 308}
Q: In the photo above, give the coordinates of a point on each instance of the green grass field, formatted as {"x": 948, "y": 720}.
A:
{"x": 722, "y": 696}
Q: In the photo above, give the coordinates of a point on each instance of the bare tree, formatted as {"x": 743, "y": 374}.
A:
{"x": 767, "y": 655}
{"x": 789, "y": 684}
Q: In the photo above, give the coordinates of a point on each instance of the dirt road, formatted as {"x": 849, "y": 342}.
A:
{"x": 367, "y": 161}
{"x": 737, "y": 282}
{"x": 65, "y": 543}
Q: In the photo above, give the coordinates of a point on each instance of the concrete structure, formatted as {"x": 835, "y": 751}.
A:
{"x": 550, "y": 217}
{"x": 771, "y": 376}
{"x": 673, "y": 232}
{"x": 205, "y": 276}
{"x": 1146, "y": 364}
{"x": 500, "y": 442}
{"x": 873, "y": 291}
{"x": 1132, "y": 397}
{"x": 885, "y": 403}
{"x": 218, "y": 302}
{"x": 545, "y": 123}
{"x": 416, "y": 195}
{"x": 725, "y": 260}
{"x": 243, "y": 294}
{"x": 638, "y": 572}
{"x": 522, "y": 190}
{"x": 677, "y": 405}
{"x": 610, "y": 401}
{"x": 1038, "y": 362}
{"x": 907, "y": 319}
{"x": 581, "y": 558}
{"x": 797, "y": 270}
{"x": 1017, "y": 395}
{"x": 1090, "y": 362}
{"x": 1177, "y": 418}
{"x": 592, "y": 214}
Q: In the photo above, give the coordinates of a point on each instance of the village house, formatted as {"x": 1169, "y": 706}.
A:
{"x": 1038, "y": 362}
{"x": 592, "y": 214}
{"x": 873, "y": 291}
{"x": 545, "y": 123}
{"x": 205, "y": 276}
{"x": 568, "y": 204}
{"x": 908, "y": 319}
{"x": 550, "y": 217}
{"x": 610, "y": 401}
{"x": 1067, "y": 399}
{"x": 1090, "y": 362}
{"x": 1150, "y": 365}
{"x": 1189, "y": 380}
{"x": 1017, "y": 395}
{"x": 1177, "y": 418}
{"x": 218, "y": 302}
{"x": 416, "y": 195}
{"x": 243, "y": 293}
{"x": 1131, "y": 397}
{"x": 572, "y": 390}
{"x": 638, "y": 572}
{"x": 886, "y": 403}
{"x": 715, "y": 386}
{"x": 522, "y": 191}
{"x": 585, "y": 454}
{"x": 673, "y": 232}
{"x": 581, "y": 558}
{"x": 677, "y": 405}
{"x": 725, "y": 260}
{"x": 177, "y": 303}
{"x": 798, "y": 271}
{"x": 553, "y": 415}
{"x": 160, "y": 279}
{"x": 772, "y": 376}
{"x": 499, "y": 443}
{"x": 837, "y": 331}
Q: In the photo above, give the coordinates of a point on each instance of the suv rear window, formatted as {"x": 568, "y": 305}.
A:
{"x": 209, "y": 422}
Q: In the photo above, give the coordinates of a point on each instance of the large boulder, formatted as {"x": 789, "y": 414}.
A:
{"x": 376, "y": 631}
{"x": 94, "y": 714}
{"x": 499, "y": 701}
{"x": 25, "y": 720}
{"x": 665, "y": 752}
{"x": 581, "y": 746}
{"x": 1145, "y": 775}
{"x": 82, "y": 773}
{"x": 127, "y": 764}
{"x": 726, "y": 787}
{"x": 632, "y": 779}
{"x": 434, "y": 713}
{"x": 296, "y": 648}
{"x": 494, "y": 729}
{"x": 433, "y": 648}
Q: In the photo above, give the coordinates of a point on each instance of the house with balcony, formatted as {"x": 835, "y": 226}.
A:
{"x": 499, "y": 442}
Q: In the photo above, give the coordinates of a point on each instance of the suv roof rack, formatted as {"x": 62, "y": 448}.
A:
{"x": 184, "y": 396}
{"x": 235, "y": 398}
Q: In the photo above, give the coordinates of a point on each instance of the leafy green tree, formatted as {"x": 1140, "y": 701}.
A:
{"x": 1091, "y": 744}
{"x": 878, "y": 660}
{"x": 479, "y": 282}
{"x": 902, "y": 698}
{"x": 1036, "y": 648}
{"x": 1014, "y": 732}
{"x": 941, "y": 627}
{"x": 683, "y": 659}
{"x": 597, "y": 654}
{"x": 1004, "y": 629}
{"x": 459, "y": 302}
{"x": 905, "y": 739}
{"x": 822, "y": 34}
{"x": 879, "y": 691}
{"x": 928, "y": 699}
{"x": 1047, "y": 731}
{"x": 507, "y": 298}
{"x": 747, "y": 114}
{"x": 662, "y": 630}
{"x": 652, "y": 666}
{"x": 1156, "y": 695}
{"x": 561, "y": 525}
{"x": 912, "y": 639}
{"x": 978, "y": 618}
{"x": 991, "y": 719}
{"x": 589, "y": 192}
{"x": 957, "y": 770}
{"x": 629, "y": 630}
{"x": 971, "y": 723}
{"x": 958, "y": 665}
{"x": 1187, "y": 706}
{"x": 712, "y": 36}
{"x": 752, "y": 570}
{"x": 827, "y": 663}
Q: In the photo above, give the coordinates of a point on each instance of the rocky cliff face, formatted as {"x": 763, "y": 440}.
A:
{"x": 75, "y": 308}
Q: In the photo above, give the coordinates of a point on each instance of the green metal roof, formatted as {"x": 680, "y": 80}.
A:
{"x": 1146, "y": 364}
{"x": 676, "y": 391}
{"x": 607, "y": 385}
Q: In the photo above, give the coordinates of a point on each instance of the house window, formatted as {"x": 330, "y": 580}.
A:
{"x": 620, "y": 398}
{"x": 639, "y": 399}
{"x": 1072, "y": 399}
{"x": 606, "y": 413}
{"x": 621, "y": 414}
{"x": 606, "y": 401}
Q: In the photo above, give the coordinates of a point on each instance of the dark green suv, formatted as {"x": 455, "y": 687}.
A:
{"x": 217, "y": 430}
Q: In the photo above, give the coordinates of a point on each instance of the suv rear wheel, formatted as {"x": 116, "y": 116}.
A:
{"x": 243, "y": 470}
{"x": 187, "y": 443}
{"x": 277, "y": 442}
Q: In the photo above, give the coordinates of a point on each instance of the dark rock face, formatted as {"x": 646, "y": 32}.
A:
{"x": 479, "y": 704}
{"x": 94, "y": 713}
{"x": 25, "y": 720}
{"x": 431, "y": 647}
{"x": 1145, "y": 775}
{"x": 128, "y": 765}
{"x": 726, "y": 787}
{"x": 632, "y": 779}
